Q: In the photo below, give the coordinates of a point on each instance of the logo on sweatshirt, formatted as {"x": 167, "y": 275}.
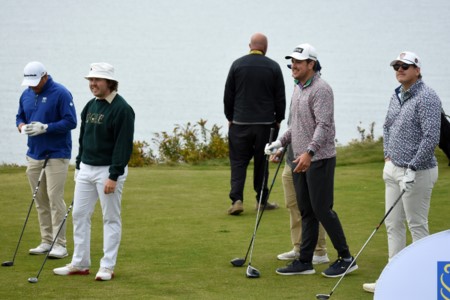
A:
{"x": 95, "y": 118}
{"x": 44, "y": 99}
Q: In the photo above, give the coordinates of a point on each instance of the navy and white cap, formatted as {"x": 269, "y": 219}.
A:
{"x": 32, "y": 73}
{"x": 409, "y": 58}
{"x": 303, "y": 52}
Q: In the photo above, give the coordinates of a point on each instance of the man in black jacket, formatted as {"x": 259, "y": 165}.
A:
{"x": 255, "y": 102}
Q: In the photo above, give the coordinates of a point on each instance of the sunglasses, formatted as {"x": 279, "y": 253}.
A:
{"x": 403, "y": 66}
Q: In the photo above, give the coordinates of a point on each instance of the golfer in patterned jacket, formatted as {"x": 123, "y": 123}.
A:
{"x": 106, "y": 143}
{"x": 411, "y": 134}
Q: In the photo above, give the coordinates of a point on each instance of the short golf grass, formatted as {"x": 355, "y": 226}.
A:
{"x": 178, "y": 241}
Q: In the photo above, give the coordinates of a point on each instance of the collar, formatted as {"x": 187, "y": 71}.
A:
{"x": 404, "y": 95}
{"x": 110, "y": 97}
{"x": 307, "y": 83}
{"x": 256, "y": 52}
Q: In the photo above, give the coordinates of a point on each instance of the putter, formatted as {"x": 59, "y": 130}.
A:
{"x": 35, "y": 279}
{"x": 10, "y": 263}
{"x": 327, "y": 296}
{"x": 239, "y": 262}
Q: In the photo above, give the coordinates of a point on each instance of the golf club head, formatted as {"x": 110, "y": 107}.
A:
{"x": 7, "y": 263}
{"x": 322, "y": 296}
{"x": 237, "y": 262}
{"x": 32, "y": 280}
{"x": 252, "y": 272}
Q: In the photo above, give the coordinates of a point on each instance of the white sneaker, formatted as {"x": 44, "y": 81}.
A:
{"x": 369, "y": 287}
{"x": 104, "y": 274}
{"x": 41, "y": 249}
{"x": 58, "y": 252}
{"x": 71, "y": 270}
{"x": 291, "y": 255}
{"x": 317, "y": 259}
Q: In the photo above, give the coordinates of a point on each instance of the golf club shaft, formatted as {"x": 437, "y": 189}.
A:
{"x": 36, "y": 189}
{"x": 262, "y": 212}
{"x": 370, "y": 237}
{"x": 55, "y": 238}
{"x": 261, "y": 195}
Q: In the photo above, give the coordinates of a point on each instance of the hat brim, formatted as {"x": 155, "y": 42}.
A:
{"x": 31, "y": 82}
{"x": 403, "y": 61}
{"x": 101, "y": 76}
{"x": 297, "y": 56}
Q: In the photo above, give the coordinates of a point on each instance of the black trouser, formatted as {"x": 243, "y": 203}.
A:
{"x": 314, "y": 189}
{"x": 247, "y": 142}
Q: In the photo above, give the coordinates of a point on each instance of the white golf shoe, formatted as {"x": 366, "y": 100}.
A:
{"x": 369, "y": 287}
{"x": 104, "y": 274}
{"x": 290, "y": 255}
{"x": 71, "y": 270}
{"x": 58, "y": 252}
{"x": 320, "y": 259}
{"x": 41, "y": 249}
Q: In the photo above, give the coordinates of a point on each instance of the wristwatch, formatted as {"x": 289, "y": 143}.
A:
{"x": 310, "y": 152}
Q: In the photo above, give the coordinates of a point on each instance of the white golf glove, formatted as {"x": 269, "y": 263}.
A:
{"x": 272, "y": 148}
{"x": 408, "y": 180}
{"x": 75, "y": 175}
{"x": 35, "y": 128}
{"x": 23, "y": 128}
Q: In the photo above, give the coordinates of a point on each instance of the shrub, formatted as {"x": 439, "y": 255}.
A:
{"x": 191, "y": 143}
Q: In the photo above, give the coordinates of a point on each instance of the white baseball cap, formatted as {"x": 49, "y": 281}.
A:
{"x": 303, "y": 51}
{"x": 101, "y": 70}
{"x": 409, "y": 58}
{"x": 32, "y": 73}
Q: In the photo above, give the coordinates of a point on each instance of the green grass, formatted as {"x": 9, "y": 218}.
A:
{"x": 178, "y": 241}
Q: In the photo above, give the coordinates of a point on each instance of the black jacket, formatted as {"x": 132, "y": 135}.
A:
{"x": 254, "y": 91}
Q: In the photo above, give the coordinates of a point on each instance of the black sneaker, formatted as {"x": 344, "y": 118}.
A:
{"x": 297, "y": 268}
{"x": 339, "y": 267}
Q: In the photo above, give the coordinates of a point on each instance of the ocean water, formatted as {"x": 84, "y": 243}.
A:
{"x": 172, "y": 57}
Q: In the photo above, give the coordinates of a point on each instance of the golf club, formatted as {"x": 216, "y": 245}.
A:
{"x": 35, "y": 279}
{"x": 327, "y": 296}
{"x": 251, "y": 271}
{"x": 11, "y": 262}
{"x": 239, "y": 262}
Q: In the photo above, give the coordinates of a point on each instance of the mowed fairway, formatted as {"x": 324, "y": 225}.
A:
{"x": 178, "y": 241}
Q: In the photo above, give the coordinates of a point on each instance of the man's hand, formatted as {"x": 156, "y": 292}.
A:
{"x": 272, "y": 148}
{"x": 110, "y": 186}
{"x": 275, "y": 158}
{"x": 408, "y": 180}
{"x": 35, "y": 128}
{"x": 303, "y": 162}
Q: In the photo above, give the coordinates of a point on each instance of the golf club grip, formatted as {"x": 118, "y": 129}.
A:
{"x": 272, "y": 131}
{"x": 46, "y": 161}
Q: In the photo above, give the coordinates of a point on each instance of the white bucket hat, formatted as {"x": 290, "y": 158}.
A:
{"x": 409, "y": 58}
{"x": 32, "y": 73}
{"x": 101, "y": 70}
{"x": 303, "y": 52}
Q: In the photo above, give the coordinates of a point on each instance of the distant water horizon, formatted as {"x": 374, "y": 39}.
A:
{"x": 172, "y": 58}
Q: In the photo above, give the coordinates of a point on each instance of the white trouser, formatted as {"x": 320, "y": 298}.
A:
{"x": 88, "y": 188}
{"x": 412, "y": 207}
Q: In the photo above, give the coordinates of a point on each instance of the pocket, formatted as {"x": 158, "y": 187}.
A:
{"x": 388, "y": 169}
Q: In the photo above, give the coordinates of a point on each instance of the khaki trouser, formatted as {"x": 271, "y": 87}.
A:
{"x": 295, "y": 217}
{"x": 50, "y": 204}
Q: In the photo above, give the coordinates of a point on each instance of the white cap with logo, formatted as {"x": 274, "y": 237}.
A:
{"x": 32, "y": 73}
{"x": 303, "y": 52}
{"x": 409, "y": 58}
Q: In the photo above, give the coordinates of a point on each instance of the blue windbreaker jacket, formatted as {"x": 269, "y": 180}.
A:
{"x": 54, "y": 107}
